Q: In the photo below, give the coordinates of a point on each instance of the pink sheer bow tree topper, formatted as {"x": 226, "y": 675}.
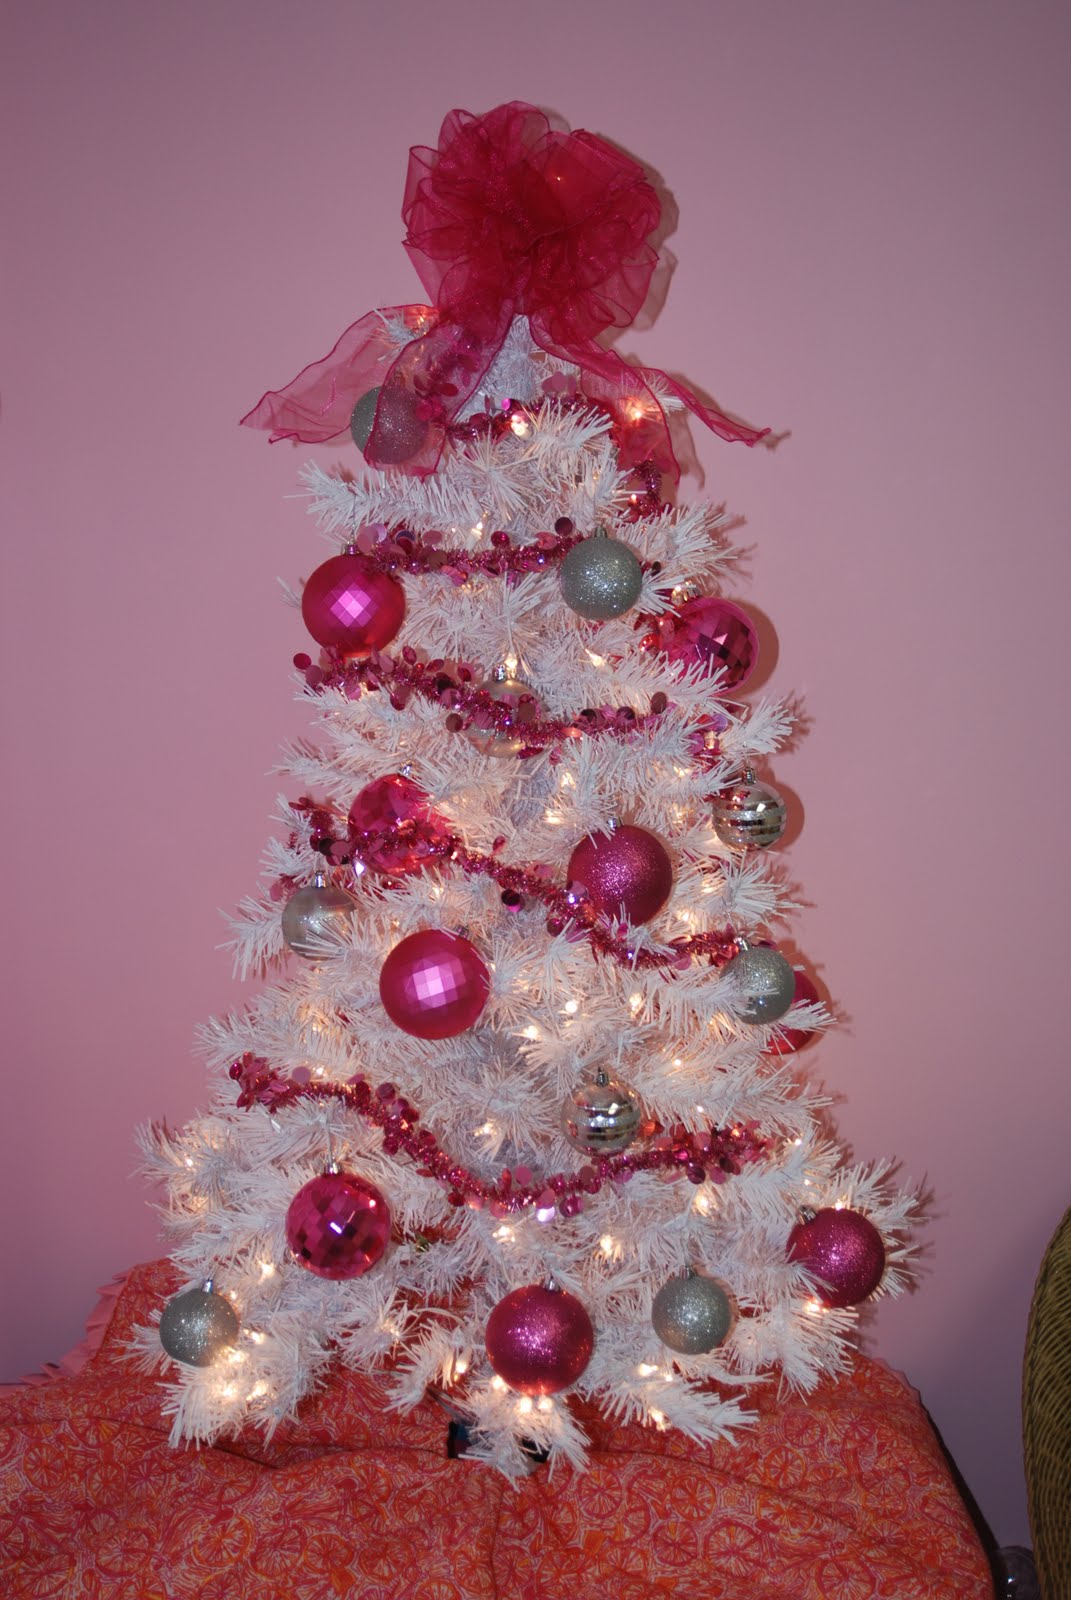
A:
{"x": 507, "y": 217}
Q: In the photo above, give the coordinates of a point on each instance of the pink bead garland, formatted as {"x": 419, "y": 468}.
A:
{"x": 570, "y": 910}
{"x": 402, "y": 551}
{"x": 467, "y": 704}
{"x": 710, "y": 1155}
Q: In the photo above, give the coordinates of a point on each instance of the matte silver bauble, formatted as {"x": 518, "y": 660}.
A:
{"x": 750, "y": 815}
{"x": 310, "y": 913}
{"x": 601, "y": 1117}
{"x": 600, "y": 578}
{"x": 503, "y": 686}
{"x": 764, "y": 982}
{"x": 198, "y": 1326}
{"x": 692, "y": 1314}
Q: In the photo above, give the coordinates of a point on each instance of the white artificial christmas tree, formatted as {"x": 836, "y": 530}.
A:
{"x": 520, "y": 994}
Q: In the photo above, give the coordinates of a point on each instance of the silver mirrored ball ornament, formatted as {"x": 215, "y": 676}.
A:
{"x": 600, "y": 578}
{"x": 764, "y": 982}
{"x": 750, "y": 815}
{"x": 692, "y": 1314}
{"x": 197, "y": 1327}
{"x": 601, "y": 1116}
{"x": 317, "y": 910}
{"x": 501, "y": 685}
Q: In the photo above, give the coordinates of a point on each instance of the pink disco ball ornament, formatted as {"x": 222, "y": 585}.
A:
{"x": 843, "y": 1249}
{"x": 711, "y": 633}
{"x": 434, "y": 984}
{"x": 338, "y": 1225}
{"x": 351, "y": 607}
{"x": 539, "y": 1340}
{"x": 626, "y": 870}
{"x": 791, "y": 1039}
{"x": 397, "y": 806}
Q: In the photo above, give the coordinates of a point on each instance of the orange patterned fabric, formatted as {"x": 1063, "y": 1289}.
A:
{"x": 842, "y": 1497}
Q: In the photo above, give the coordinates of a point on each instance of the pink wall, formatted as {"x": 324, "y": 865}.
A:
{"x": 873, "y": 255}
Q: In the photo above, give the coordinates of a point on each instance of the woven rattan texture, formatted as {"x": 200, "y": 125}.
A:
{"x": 1047, "y": 1416}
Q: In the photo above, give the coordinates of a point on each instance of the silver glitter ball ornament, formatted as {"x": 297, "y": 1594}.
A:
{"x": 401, "y": 432}
{"x": 692, "y": 1314}
{"x": 503, "y": 686}
{"x": 198, "y": 1326}
{"x": 601, "y": 1117}
{"x": 600, "y": 578}
{"x": 750, "y": 815}
{"x": 310, "y": 913}
{"x": 764, "y": 981}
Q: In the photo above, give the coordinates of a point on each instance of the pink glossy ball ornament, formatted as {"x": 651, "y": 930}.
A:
{"x": 843, "y": 1249}
{"x": 434, "y": 984}
{"x": 539, "y": 1340}
{"x": 347, "y": 605}
{"x": 398, "y": 806}
{"x": 337, "y": 1225}
{"x": 711, "y": 633}
{"x": 624, "y": 871}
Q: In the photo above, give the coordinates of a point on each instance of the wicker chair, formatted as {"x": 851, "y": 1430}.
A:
{"x": 1047, "y": 1416}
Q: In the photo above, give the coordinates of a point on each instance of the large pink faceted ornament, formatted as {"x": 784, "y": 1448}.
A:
{"x": 398, "y": 806}
{"x": 338, "y": 1225}
{"x": 539, "y": 1340}
{"x": 434, "y": 984}
{"x": 844, "y": 1251}
{"x": 626, "y": 871}
{"x": 711, "y": 633}
{"x": 791, "y": 1039}
{"x": 350, "y": 606}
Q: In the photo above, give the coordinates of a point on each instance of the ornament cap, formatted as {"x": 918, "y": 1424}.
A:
{"x": 318, "y": 880}
{"x": 208, "y": 1286}
{"x": 807, "y": 1214}
{"x": 612, "y": 824}
{"x": 351, "y": 548}
{"x": 333, "y": 1168}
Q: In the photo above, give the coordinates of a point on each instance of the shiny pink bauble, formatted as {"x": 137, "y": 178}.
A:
{"x": 795, "y": 1038}
{"x": 434, "y": 984}
{"x": 845, "y": 1252}
{"x": 712, "y": 633}
{"x": 625, "y": 871}
{"x": 338, "y": 1225}
{"x": 399, "y": 805}
{"x": 539, "y": 1340}
{"x": 350, "y": 606}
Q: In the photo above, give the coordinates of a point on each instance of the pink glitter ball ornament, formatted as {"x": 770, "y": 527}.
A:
{"x": 338, "y": 1225}
{"x": 351, "y": 607}
{"x": 845, "y": 1252}
{"x": 712, "y": 633}
{"x": 434, "y": 984}
{"x": 626, "y": 870}
{"x": 398, "y": 806}
{"x": 539, "y": 1340}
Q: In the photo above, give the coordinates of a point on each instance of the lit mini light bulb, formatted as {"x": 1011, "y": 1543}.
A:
{"x": 504, "y": 1233}
{"x": 524, "y": 1406}
{"x": 520, "y": 425}
{"x": 267, "y": 1269}
{"x": 461, "y": 1366}
{"x": 531, "y": 1032}
{"x": 635, "y": 1003}
{"x": 658, "y": 1418}
{"x": 608, "y": 1244}
{"x": 646, "y": 1370}
{"x": 485, "y": 1130}
{"x": 258, "y": 1391}
{"x": 571, "y": 1007}
{"x": 635, "y": 410}
{"x": 544, "y": 1403}
{"x": 499, "y": 1385}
